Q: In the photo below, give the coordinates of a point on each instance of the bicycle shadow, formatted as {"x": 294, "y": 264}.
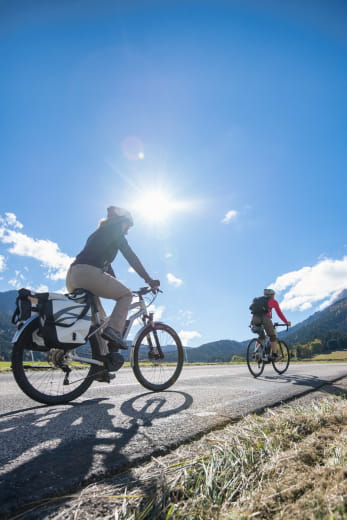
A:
{"x": 311, "y": 381}
{"x": 110, "y": 442}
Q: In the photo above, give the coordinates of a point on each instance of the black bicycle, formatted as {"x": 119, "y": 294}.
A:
{"x": 259, "y": 355}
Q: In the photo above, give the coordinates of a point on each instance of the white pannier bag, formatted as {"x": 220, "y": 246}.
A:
{"x": 65, "y": 319}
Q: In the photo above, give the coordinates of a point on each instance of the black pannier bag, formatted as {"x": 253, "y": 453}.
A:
{"x": 23, "y": 307}
{"x": 259, "y": 306}
{"x": 65, "y": 320}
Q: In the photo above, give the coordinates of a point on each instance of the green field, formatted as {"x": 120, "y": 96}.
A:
{"x": 338, "y": 356}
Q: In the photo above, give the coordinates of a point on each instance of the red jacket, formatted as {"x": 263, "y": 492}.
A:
{"x": 273, "y": 304}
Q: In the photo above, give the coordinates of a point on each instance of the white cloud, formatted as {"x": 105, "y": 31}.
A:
{"x": 41, "y": 288}
{"x": 10, "y": 219}
{"x": 186, "y": 318}
{"x": 168, "y": 255}
{"x": 131, "y": 270}
{"x": 15, "y": 283}
{"x": 2, "y": 263}
{"x": 176, "y": 282}
{"x": 229, "y": 216}
{"x": 18, "y": 281}
{"x": 187, "y": 335}
{"x": 46, "y": 251}
{"x": 158, "y": 311}
{"x": 321, "y": 282}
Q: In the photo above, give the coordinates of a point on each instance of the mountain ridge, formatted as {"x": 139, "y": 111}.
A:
{"x": 332, "y": 318}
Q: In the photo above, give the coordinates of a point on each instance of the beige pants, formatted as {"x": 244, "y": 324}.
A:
{"x": 93, "y": 279}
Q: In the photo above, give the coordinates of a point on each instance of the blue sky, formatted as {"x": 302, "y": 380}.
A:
{"x": 220, "y": 124}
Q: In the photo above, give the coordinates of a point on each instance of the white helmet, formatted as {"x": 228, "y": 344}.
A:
{"x": 123, "y": 214}
{"x": 269, "y": 292}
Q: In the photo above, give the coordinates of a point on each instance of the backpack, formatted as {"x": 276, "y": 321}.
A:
{"x": 259, "y": 305}
{"x": 65, "y": 320}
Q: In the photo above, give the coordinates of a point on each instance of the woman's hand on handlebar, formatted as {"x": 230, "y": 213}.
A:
{"x": 154, "y": 284}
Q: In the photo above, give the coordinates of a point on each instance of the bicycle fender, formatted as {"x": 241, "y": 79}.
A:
{"x": 19, "y": 332}
{"x": 149, "y": 327}
{"x": 134, "y": 341}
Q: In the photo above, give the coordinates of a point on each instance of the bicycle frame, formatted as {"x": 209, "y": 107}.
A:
{"x": 142, "y": 312}
{"x": 100, "y": 323}
{"x": 264, "y": 345}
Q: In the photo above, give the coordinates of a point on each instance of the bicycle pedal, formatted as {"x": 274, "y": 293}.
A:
{"x": 104, "y": 377}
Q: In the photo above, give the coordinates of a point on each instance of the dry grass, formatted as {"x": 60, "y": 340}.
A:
{"x": 286, "y": 464}
{"x": 5, "y": 366}
{"x": 338, "y": 355}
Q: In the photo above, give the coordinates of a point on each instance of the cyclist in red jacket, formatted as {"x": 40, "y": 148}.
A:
{"x": 264, "y": 321}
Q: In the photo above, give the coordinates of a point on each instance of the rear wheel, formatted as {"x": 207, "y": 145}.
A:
{"x": 54, "y": 376}
{"x": 282, "y": 362}
{"x": 157, "y": 357}
{"x": 254, "y": 361}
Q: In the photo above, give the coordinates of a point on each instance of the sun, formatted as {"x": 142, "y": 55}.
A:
{"x": 155, "y": 206}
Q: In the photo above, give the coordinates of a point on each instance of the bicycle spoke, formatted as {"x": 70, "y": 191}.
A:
{"x": 52, "y": 377}
{"x": 158, "y": 357}
{"x": 282, "y": 362}
{"x": 254, "y": 358}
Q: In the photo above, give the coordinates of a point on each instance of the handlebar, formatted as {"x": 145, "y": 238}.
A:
{"x": 281, "y": 325}
{"x": 146, "y": 290}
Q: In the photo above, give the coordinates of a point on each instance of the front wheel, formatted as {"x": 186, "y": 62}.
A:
{"x": 157, "y": 359}
{"x": 282, "y": 362}
{"x": 54, "y": 376}
{"x": 254, "y": 358}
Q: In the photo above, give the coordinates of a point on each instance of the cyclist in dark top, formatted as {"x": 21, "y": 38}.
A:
{"x": 264, "y": 321}
{"x": 92, "y": 270}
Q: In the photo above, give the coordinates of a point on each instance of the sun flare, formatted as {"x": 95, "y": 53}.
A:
{"x": 155, "y": 206}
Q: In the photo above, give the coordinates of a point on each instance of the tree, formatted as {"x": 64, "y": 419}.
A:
{"x": 317, "y": 346}
{"x": 237, "y": 359}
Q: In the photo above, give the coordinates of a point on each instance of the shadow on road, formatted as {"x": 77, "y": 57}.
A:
{"x": 330, "y": 387}
{"x": 79, "y": 444}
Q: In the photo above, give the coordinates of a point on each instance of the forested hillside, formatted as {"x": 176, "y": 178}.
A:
{"x": 328, "y": 326}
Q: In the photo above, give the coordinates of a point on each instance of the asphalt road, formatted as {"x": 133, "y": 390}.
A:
{"x": 45, "y": 451}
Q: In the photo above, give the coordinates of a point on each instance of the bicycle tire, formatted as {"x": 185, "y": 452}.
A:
{"x": 150, "y": 371}
{"x": 39, "y": 377}
{"x": 254, "y": 362}
{"x": 282, "y": 363}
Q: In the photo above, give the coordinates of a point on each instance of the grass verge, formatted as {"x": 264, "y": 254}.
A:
{"x": 290, "y": 463}
{"x": 5, "y": 366}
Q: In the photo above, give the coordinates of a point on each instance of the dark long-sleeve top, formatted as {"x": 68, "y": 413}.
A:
{"x": 103, "y": 245}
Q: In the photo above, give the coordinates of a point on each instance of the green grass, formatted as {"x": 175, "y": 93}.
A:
{"x": 338, "y": 356}
{"x": 289, "y": 463}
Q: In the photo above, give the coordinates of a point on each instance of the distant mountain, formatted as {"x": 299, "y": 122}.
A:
{"x": 7, "y": 301}
{"x": 215, "y": 352}
{"x": 341, "y": 296}
{"x": 333, "y": 318}
{"x": 7, "y": 305}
